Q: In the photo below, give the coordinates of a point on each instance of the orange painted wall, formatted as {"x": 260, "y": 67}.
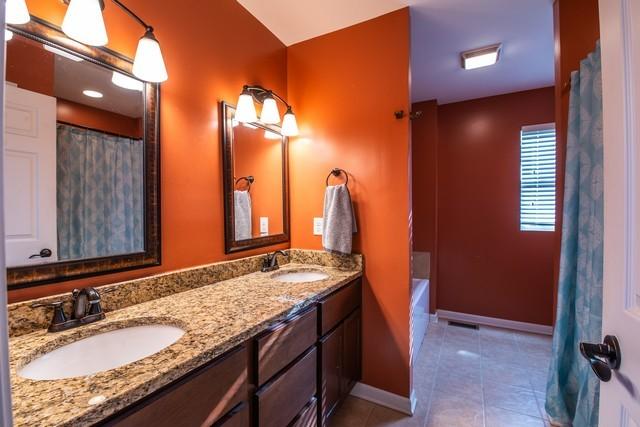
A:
{"x": 576, "y": 30}
{"x": 424, "y": 147}
{"x": 486, "y": 265}
{"x": 211, "y": 49}
{"x": 30, "y": 66}
{"x": 345, "y": 87}
{"x": 94, "y": 118}
{"x": 262, "y": 158}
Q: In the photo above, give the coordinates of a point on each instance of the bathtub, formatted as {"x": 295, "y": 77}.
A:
{"x": 419, "y": 313}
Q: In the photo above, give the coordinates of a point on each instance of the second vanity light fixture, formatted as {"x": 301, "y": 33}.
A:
{"x": 83, "y": 22}
{"x": 246, "y": 109}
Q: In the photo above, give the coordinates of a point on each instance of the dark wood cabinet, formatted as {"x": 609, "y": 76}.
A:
{"x": 330, "y": 368}
{"x": 199, "y": 399}
{"x": 340, "y": 348}
{"x": 351, "y": 351}
{"x": 295, "y": 374}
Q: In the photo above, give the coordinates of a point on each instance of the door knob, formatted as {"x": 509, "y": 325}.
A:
{"x": 45, "y": 253}
{"x": 603, "y": 357}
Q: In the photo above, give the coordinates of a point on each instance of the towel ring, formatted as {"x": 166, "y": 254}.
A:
{"x": 249, "y": 180}
{"x": 336, "y": 172}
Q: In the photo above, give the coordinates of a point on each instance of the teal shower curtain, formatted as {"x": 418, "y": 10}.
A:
{"x": 572, "y": 389}
{"x": 100, "y": 193}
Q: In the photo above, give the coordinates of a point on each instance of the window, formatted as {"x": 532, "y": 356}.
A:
{"x": 538, "y": 178}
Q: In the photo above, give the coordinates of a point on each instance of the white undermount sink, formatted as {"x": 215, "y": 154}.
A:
{"x": 101, "y": 352}
{"x": 300, "y": 276}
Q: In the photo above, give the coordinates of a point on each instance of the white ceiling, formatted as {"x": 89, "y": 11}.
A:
{"x": 440, "y": 30}
{"x": 293, "y": 21}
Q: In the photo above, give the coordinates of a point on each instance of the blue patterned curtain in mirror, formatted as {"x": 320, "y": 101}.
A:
{"x": 572, "y": 389}
{"x": 100, "y": 193}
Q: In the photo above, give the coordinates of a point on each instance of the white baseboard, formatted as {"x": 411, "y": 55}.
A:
{"x": 406, "y": 405}
{"x": 493, "y": 321}
{"x": 433, "y": 318}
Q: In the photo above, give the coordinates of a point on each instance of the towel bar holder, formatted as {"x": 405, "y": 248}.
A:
{"x": 336, "y": 172}
{"x": 249, "y": 180}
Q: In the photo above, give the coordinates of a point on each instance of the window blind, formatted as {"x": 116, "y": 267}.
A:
{"x": 538, "y": 178}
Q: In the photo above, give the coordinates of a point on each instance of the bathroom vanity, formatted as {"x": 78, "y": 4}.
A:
{"x": 257, "y": 350}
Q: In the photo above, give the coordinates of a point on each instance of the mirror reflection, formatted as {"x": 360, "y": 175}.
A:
{"x": 258, "y": 179}
{"x": 74, "y": 157}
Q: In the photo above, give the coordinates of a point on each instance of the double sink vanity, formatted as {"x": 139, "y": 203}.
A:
{"x": 234, "y": 343}
{"x": 271, "y": 349}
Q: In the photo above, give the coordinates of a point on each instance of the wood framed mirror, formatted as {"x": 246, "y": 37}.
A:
{"x": 256, "y": 183}
{"x": 82, "y": 165}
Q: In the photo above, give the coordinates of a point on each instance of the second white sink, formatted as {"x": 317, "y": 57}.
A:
{"x": 300, "y": 276}
{"x": 101, "y": 352}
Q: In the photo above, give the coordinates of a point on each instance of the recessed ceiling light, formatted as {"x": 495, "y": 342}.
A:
{"x": 62, "y": 53}
{"x": 92, "y": 93}
{"x": 483, "y": 57}
{"x": 126, "y": 82}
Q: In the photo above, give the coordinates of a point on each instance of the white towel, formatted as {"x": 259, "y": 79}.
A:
{"x": 339, "y": 220}
{"x": 242, "y": 214}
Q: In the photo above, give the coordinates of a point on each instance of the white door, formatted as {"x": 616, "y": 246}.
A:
{"x": 620, "y": 43}
{"x": 30, "y": 177}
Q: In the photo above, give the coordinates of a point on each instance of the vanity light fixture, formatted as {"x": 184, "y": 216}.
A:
{"x": 62, "y": 53}
{"x": 271, "y": 135}
{"x": 246, "y": 109}
{"x": 126, "y": 82}
{"x": 483, "y": 57}
{"x": 8, "y": 35}
{"x": 17, "y": 12}
{"x": 92, "y": 93}
{"x": 84, "y": 22}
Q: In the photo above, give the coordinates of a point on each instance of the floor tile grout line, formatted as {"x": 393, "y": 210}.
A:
{"x": 435, "y": 374}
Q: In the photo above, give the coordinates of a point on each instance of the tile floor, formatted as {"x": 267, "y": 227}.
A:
{"x": 468, "y": 378}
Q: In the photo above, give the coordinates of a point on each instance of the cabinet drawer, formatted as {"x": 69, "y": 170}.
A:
{"x": 238, "y": 417}
{"x": 308, "y": 417}
{"x": 339, "y": 305}
{"x": 279, "y": 347}
{"x": 198, "y": 399}
{"x": 282, "y": 399}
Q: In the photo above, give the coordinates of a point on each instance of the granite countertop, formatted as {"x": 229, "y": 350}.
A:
{"x": 215, "y": 318}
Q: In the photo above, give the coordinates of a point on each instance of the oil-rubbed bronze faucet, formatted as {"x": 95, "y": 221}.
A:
{"x": 270, "y": 262}
{"x": 86, "y": 309}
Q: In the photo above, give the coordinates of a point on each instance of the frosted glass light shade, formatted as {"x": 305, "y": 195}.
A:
{"x": 245, "y": 109}
{"x": 8, "y": 35}
{"x": 83, "y": 22}
{"x": 126, "y": 82}
{"x": 148, "y": 64}
{"x": 289, "y": 124}
{"x": 270, "y": 114}
{"x": 271, "y": 135}
{"x": 17, "y": 12}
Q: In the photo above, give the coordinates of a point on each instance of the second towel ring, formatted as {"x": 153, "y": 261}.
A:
{"x": 249, "y": 180}
{"x": 336, "y": 172}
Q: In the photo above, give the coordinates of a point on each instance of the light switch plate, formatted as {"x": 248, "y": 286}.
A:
{"x": 317, "y": 226}
{"x": 264, "y": 225}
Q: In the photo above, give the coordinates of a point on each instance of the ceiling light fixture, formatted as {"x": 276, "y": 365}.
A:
{"x": 17, "y": 12}
{"x": 483, "y": 57}
{"x": 84, "y": 22}
{"x": 92, "y": 93}
{"x": 126, "y": 82}
{"x": 246, "y": 110}
{"x": 62, "y": 53}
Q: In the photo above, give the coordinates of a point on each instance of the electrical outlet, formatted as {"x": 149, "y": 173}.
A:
{"x": 264, "y": 225}
{"x": 318, "y": 223}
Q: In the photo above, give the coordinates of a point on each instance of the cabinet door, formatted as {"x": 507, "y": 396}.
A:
{"x": 351, "y": 353}
{"x": 330, "y": 383}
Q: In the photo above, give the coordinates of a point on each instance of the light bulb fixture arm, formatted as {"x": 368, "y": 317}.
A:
{"x": 259, "y": 93}
{"x": 133, "y": 15}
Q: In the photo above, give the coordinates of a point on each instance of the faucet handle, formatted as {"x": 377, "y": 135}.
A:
{"x": 59, "y": 316}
